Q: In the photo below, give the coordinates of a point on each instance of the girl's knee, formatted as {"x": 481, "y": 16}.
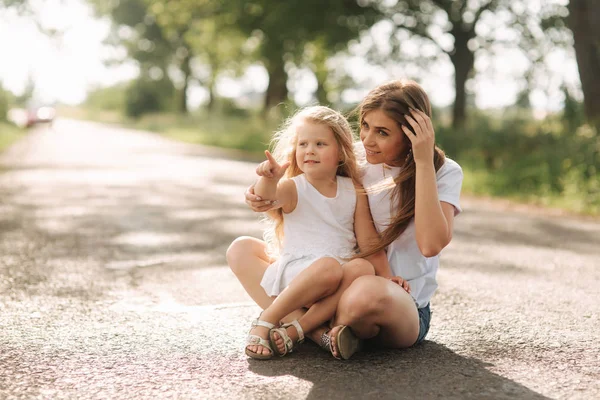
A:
{"x": 357, "y": 268}
{"x": 330, "y": 271}
{"x": 241, "y": 247}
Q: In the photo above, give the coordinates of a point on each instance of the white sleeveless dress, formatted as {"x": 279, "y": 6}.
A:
{"x": 318, "y": 227}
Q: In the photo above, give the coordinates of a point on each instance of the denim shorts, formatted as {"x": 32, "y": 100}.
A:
{"x": 424, "y": 320}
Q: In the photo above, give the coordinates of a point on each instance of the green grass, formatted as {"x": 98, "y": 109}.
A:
{"x": 479, "y": 182}
{"x": 9, "y": 134}
{"x": 524, "y": 167}
{"x": 251, "y": 133}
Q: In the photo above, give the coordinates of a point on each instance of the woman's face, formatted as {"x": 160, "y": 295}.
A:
{"x": 383, "y": 139}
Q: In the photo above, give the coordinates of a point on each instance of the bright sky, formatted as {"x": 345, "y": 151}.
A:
{"x": 66, "y": 67}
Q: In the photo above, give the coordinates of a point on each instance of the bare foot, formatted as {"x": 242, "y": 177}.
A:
{"x": 333, "y": 338}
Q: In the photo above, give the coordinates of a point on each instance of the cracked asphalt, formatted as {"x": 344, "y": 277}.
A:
{"x": 114, "y": 285}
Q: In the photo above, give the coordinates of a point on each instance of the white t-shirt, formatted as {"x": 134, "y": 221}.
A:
{"x": 403, "y": 254}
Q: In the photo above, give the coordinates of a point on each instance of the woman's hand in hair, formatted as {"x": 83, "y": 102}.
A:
{"x": 423, "y": 140}
{"x": 257, "y": 203}
{"x": 401, "y": 282}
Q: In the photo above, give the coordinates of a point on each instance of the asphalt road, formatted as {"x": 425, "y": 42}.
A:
{"x": 114, "y": 285}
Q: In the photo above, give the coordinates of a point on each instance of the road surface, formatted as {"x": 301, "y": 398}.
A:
{"x": 114, "y": 285}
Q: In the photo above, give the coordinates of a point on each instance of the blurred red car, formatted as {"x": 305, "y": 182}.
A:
{"x": 37, "y": 115}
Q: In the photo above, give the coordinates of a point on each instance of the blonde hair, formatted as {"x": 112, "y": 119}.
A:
{"x": 284, "y": 149}
{"x": 395, "y": 99}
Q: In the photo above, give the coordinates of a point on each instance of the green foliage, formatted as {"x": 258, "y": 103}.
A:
{"x": 6, "y": 99}
{"x": 145, "y": 96}
{"x": 528, "y": 160}
{"x": 9, "y": 134}
{"x": 110, "y": 98}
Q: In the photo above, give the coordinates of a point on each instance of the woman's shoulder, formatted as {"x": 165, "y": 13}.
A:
{"x": 450, "y": 167}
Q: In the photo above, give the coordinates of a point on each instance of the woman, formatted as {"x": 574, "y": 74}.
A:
{"x": 414, "y": 194}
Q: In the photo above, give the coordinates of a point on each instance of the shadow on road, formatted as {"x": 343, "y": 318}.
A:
{"x": 430, "y": 370}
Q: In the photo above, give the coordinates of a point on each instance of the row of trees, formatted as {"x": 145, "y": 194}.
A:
{"x": 179, "y": 42}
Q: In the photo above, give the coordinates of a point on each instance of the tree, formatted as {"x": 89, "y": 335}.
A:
{"x": 136, "y": 30}
{"x": 286, "y": 27}
{"x": 199, "y": 33}
{"x": 584, "y": 21}
{"x": 459, "y": 29}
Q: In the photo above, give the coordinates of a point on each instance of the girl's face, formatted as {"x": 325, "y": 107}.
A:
{"x": 317, "y": 150}
{"x": 383, "y": 139}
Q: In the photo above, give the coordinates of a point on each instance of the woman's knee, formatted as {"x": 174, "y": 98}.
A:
{"x": 356, "y": 268}
{"x": 368, "y": 295}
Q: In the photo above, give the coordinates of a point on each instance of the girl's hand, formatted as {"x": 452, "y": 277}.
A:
{"x": 256, "y": 203}
{"x": 270, "y": 168}
{"x": 423, "y": 140}
{"x": 401, "y": 282}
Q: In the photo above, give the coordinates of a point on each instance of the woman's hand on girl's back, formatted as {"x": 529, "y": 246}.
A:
{"x": 401, "y": 282}
{"x": 256, "y": 203}
{"x": 423, "y": 140}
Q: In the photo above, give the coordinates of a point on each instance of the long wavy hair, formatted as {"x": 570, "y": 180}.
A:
{"x": 394, "y": 99}
{"x": 284, "y": 149}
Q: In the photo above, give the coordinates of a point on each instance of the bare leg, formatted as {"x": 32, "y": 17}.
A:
{"x": 248, "y": 260}
{"x": 324, "y": 310}
{"x": 376, "y": 308}
{"x": 319, "y": 280}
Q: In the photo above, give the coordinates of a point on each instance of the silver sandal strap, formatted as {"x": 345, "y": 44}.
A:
{"x": 299, "y": 329}
{"x": 264, "y": 324}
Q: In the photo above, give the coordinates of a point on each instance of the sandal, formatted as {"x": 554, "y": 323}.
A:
{"x": 288, "y": 343}
{"x": 257, "y": 340}
{"x": 347, "y": 343}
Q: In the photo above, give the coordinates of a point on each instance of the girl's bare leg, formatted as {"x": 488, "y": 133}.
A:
{"x": 248, "y": 260}
{"x": 379, "y": 309}
{"x": 324, "y": 310}
{"x": 319, "y": 280}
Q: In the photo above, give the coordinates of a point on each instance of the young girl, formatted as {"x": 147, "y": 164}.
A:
{"x": 414, "y": 193}
{"x": 320, "y": 210}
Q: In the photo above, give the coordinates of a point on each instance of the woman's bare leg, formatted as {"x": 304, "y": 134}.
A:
{"x": 379, "y": 309}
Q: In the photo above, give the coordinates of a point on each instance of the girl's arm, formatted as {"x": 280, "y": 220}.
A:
{"x": 366, "y": 234}
{"x": 270, "y": 186}
{"x": 433, "y": 219}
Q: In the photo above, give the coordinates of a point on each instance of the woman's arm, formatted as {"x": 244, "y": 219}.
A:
{"x": 367, "y": 236}
{"x": 433, "y": 219}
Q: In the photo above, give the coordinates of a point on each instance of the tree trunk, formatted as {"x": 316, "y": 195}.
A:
{"x": 463, "y": 60}
{"x": 584, "y": 21}
{"x": 321, "y": 74}
{"x": 186, "y": 69}
{"x": 277, "y": 91}
{"x": 211, "y": 95}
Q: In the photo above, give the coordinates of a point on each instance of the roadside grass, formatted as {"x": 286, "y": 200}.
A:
{"x": 520, "y": 164}
{"x": 248, "y": 133}
{"x": 482, "y": 183}
{"x": 9, "y": 134}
